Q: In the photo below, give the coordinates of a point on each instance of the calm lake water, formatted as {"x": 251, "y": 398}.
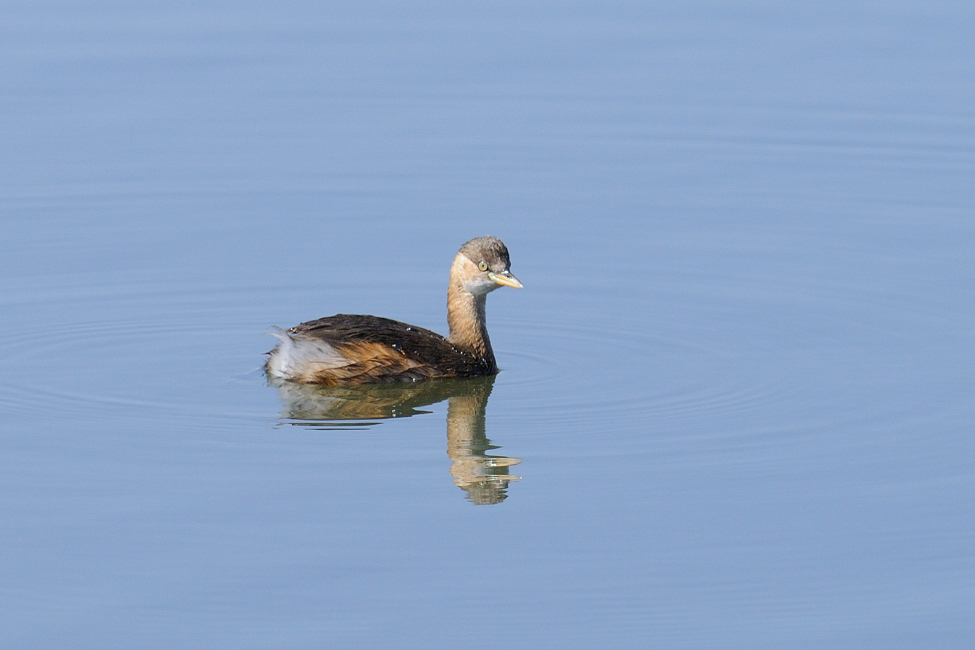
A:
{"x": 737, "y": 404}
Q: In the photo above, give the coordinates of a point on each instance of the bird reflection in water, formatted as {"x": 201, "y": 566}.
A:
{"x": 483, "y": 477}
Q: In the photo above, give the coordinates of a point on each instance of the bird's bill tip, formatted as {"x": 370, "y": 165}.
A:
{"x": 506, "y": 279}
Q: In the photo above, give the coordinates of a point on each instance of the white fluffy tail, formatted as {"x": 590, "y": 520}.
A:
{"x": 297, "y": 358}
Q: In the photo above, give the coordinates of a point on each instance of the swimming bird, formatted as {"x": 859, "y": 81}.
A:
{"x": 354, "y": 349}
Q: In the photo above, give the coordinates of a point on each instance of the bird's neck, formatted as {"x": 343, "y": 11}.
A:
{"x": 468, "y": 324}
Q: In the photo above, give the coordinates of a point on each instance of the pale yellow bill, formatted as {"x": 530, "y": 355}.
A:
{"x": 505, "y": 278}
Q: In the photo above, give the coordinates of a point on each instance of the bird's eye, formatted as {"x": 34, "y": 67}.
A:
{"x": 482, "y": 265}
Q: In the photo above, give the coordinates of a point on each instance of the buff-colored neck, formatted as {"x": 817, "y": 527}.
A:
{"x": 467, "y": 321}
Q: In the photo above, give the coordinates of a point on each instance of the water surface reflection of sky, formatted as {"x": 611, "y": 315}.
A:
{"x": 739, "y": 380}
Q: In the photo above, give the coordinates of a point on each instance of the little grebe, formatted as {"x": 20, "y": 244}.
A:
{"x": 351, "y": 349}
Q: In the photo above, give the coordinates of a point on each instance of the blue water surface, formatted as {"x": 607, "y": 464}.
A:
{"x": 737, "y": 398}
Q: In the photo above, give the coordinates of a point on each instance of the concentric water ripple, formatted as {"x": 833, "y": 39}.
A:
{"x": 145, "y": 350}
{"x": 659, "y": 377}
{"x": 92, "y": 357}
